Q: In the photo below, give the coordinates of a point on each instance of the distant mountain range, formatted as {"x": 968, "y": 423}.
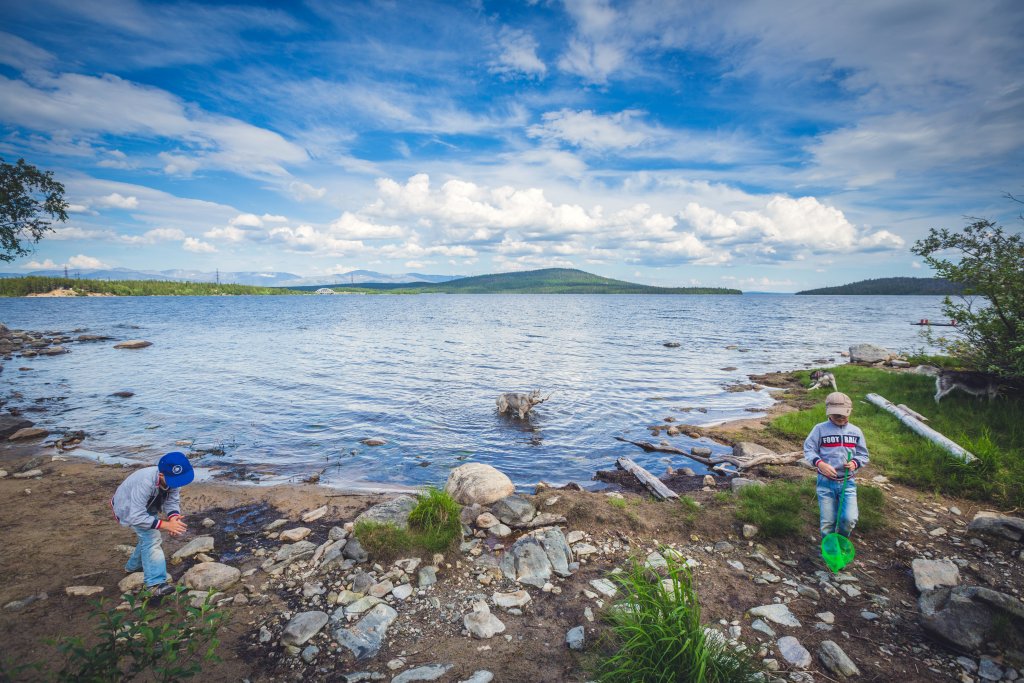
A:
{"x": 545, "y": 281}
{"x": 894, "y": 286}
{"x": 252, "y": 278}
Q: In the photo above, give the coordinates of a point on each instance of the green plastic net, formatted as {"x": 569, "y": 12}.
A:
{"x": 836, "y": 549}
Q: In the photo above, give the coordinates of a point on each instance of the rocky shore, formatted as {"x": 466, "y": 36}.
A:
{"x": 934, "y": 595}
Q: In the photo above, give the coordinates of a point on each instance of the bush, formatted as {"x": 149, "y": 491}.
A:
{"x": 990, "y": 265}
{"x": 168, "y": 641}
{"x": 657, "y": 636}
{"x": 779, "y": 509}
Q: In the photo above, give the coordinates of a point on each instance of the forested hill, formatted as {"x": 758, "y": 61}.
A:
{"x": 894, "y": 285}
{"x": 546, "y": 281}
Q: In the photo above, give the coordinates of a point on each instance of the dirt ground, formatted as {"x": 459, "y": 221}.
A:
{"x": 57, "y": 531}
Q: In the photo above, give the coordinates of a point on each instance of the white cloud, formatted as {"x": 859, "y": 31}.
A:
{"x": 197, "y": 246}
{"x": 228, "y": 234}
{"x": 305, "y": 192}
{"x": 86, "y": 262}
{"x": 37, "y": 265}
{"x": 270, "y": 218}
{"x": 351, "y": 227}
{"x": 595, "y": 131}
{"x": 246, "y": 220}
{"x": 117, "y": 201}
{"x": 916, "y": 265}
{"x": 518, "y": 55}
{"x": 179, "y": 164}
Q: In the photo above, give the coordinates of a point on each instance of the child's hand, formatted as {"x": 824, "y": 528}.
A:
{"x": 851, "y": 465}
{"x": 827, "y": 469}
{"x": 175, "y": 527}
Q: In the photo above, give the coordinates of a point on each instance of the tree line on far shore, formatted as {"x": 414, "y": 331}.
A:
{"x": 934, "y": 286}
{"x": 23, "y": 286}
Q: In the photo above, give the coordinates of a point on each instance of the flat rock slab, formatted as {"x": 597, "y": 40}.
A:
{"x": 514, "y": 510}
{"x": 9, "y": 424}
{"x": 199, "y": 544}
{"x": 294, "y": 535}
{"x": 836, "y": 661}
{"x": 83, "y": 590}
{"x": 302, "y": 627}
{"x": 994, "y": 524}
{"x": 27, "y": 433}
{"x": 132, "y": 583}
{"x": 970, "y": 616}
{"x": 133, "y": 344}
{"x": 367, "y": 636}
{"x": 422, "y": 673}
{"x": 793, "y": 652}
{"x": 776, "y": 613}
{"x": 932, "y": 574}
{"x": 395, "y": 511}
{"x": 211, "y": 575}
{"x": 478, "y": 483}
{"x": 313, "y": 515}
{"x": 514, "y": 599}
{"x": 482, "y": 624}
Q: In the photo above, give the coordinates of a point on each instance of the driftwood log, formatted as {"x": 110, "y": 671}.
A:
{"x": 920, "y": 428}
{"x": 739, "y": 463}
{"x": 653, "y": 484}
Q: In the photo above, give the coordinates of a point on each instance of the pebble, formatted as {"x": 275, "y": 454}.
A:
{"x": 422, "y": 673}
{"x": 826, "y": 617}
{"x": 575, "y": 638}
{"x": 777, "y": 613}
{"x": 793, "y": 652}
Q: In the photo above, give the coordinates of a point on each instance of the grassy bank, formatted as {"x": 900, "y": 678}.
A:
{"x": 23, "y": 286}
{"x": 993, "y": 431}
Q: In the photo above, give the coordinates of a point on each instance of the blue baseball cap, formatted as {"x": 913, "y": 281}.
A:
{"x": 177, "y": 470}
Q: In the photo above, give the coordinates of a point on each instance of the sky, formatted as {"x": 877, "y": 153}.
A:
{"x": 763, "y": 145}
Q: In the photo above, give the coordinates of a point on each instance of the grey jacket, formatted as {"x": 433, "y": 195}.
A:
{"x": 137, "y": 493}
{"x": 830, "y": 443}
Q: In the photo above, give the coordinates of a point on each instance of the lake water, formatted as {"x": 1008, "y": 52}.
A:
{"x": 288, "y": 386}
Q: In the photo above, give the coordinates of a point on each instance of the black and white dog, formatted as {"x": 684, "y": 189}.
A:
{"x": 973, "y": 383}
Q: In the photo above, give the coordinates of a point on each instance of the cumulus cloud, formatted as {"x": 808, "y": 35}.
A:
{"x": 155, "y": 235}
{"x": 40, "y": 265}
{"x": 518, "y": 55}
{"x": 117, "y": 201}
{"x": 86, "y": 262}
{"x": 305, "y": 192}
{"x": 590, "y": 130}
{"x": 197, "y": 246}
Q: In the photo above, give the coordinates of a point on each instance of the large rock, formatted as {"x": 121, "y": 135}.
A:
{"x": 199, "y": 544}
{"x": 367, "y": 636}
{"x": 558, "y": 551}
{"x": 394, "y": 511}
{"x": 869, "y": 353}
{"x": 207, "y": 575}
{"x": 133, "y": 344}
{"x": 482, "y": 624}
{"x": 836, "y": 661}
{"x": 969, "y": 616}
{"x": 932, "y": 574}
{"x": 793, "y": 652}
{"x": 777, "y": 613}
{"x": 478, "y": 483}
{"x": 9, "y": 424}
{"x": 295, "y": 551}
{"x": 738, "y": 483}
{"x": 994, "y": 524}
{"x": 748, "y": 449}
{"x": 28, "y": 433}
{"x": 514, "y": 510}
{"x": 533, "y": 558}
{"x": 302, "y": 627}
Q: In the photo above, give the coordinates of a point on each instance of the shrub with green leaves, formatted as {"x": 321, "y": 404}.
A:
{"x": 159, "y": 641}
{"x": 657, "y": 635}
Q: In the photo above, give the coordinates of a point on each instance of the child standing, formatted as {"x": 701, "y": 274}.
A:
{"x": 139, "y": 502}
{"x": 832, "y": 447}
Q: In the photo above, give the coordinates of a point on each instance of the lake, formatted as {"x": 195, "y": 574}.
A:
{"x": 290, "y": 386}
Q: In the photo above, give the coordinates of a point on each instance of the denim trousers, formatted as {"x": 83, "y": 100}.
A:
{"x": 148, "y": 556}
{"x": 828, "y": 504}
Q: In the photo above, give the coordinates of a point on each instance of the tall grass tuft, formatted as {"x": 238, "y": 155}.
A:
{"x": 657, "y": 636}
{"x": 434, "y": 526}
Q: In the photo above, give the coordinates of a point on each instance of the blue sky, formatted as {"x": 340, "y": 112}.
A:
{"x": 768, "y": 146}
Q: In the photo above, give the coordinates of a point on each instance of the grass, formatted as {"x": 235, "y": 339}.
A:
{"x": 434, "y": 526}
{"x": 617, "y": 503}
{"x": 782, "y": 508}
{"x": 657, "y": 636}
{"x": 993, "y": 431}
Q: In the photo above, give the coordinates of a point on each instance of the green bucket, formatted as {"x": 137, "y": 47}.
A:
{"x": 836, "y": 549}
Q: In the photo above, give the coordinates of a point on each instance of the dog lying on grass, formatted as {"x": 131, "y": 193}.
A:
{"x": 520, "y": 404}
{"x": 823, "y": 379}
{"x": 974, "y": 383}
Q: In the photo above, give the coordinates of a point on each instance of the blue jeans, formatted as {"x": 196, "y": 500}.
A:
{"x": 148, "y": 556}
{"x": 828, "y": 503}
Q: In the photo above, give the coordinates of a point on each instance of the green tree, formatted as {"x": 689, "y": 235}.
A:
{"x": 27, "y": 196}
{"x": 990, "y": 265}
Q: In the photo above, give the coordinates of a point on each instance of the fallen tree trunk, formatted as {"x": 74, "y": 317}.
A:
{"x": 653, "y": 484}
{"x": 739, "y": 463}
{"x": 922, "y": 429}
